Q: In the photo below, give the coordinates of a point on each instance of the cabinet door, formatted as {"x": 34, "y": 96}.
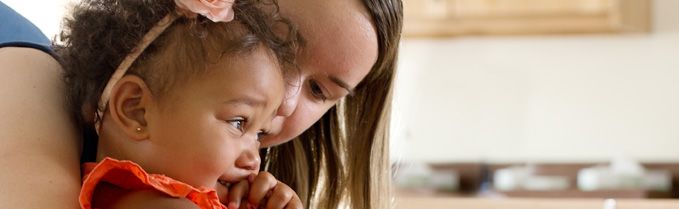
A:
{"x": 490, "y": 17}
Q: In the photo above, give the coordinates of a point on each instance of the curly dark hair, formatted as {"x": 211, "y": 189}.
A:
{"x": 101, "y": 33}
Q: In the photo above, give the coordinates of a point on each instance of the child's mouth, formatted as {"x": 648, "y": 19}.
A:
{"x": 224, "y": 183}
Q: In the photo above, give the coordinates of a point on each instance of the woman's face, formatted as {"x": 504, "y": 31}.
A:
{"x": 340, "y": 49}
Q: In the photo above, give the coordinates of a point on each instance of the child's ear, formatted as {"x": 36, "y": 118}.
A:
{"x": 130, "y": 100}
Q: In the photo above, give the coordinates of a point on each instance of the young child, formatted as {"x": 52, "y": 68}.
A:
{"x": 172, "y": 97}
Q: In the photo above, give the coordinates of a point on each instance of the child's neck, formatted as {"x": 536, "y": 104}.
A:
{"x": 114, "y": 143}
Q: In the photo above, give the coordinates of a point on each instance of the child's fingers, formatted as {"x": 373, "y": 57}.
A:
{"x": 295, "y": 204}
{"x": 237, "y": 193}
{"x": 263, "y": 183}
{"x": 246, "y": 205}
{"x": 283, "y": 197}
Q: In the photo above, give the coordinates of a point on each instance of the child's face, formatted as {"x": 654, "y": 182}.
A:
{"x": 207, "y": 129}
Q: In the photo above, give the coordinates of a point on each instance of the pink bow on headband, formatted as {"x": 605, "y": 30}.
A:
{"x": 215, "y": 10}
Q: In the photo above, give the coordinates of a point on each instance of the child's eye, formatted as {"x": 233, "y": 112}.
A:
{"x": 237, "y": 123}
{"x": 316, "y": 90}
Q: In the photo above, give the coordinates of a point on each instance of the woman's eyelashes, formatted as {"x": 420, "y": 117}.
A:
{"x": 261, "y": 134}
{"x": 317, "y": 91}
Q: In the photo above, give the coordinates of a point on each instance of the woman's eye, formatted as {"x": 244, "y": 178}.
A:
{"x": 237, "y": 123}
{"x": 316, "y": 91}
{"x": 261, "y": 134}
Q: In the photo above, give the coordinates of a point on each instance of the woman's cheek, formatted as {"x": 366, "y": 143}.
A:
{"x": 306, "y": 114}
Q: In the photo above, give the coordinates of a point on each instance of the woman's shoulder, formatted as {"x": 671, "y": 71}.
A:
{"x": 36, "y": 134}
{"x": 17, "y": 31}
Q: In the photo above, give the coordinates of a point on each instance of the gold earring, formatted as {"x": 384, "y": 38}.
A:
{"x": 138, "y": 129}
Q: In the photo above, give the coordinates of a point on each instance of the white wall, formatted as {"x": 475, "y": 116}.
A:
{"x": 556, "y": 98}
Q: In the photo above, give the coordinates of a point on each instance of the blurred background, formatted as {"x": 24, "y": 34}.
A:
{"x": 538, "y": 98}
{"x": 527, "y": 98}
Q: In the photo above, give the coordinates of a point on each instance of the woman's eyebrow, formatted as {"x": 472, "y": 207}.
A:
{"x": 342, "y": 84}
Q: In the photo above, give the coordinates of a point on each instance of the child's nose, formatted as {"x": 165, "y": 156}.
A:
{"x": 249, "y": 158}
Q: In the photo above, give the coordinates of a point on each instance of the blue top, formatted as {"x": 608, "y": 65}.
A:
{"x": 17, "y": 31}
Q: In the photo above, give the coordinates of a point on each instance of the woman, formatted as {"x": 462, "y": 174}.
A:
{"x": 350, "y": 49}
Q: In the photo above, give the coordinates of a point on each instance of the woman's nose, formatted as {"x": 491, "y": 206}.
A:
{"x": 289, "y": 105}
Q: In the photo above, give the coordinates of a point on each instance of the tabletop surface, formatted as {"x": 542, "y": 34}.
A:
{"x": 526, "y": 203}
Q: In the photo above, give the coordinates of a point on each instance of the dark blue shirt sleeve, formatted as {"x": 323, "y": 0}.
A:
{"x": 17, "y": 31}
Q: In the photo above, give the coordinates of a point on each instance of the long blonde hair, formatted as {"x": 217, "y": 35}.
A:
{"x": 344, "y": 157}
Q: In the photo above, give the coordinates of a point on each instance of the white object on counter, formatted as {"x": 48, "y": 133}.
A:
{"x": 610, "y": 204}
{"x": 419, "y": 176}
{"x": 511, "y": 178}
{"x": 546, "y": 183}
{"x": 658, "y": 180}
{"x": 623, "y": 174}
{"x": 524, "y": 178}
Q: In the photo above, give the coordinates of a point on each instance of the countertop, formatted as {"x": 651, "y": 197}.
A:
{"x": 527, "y": 203}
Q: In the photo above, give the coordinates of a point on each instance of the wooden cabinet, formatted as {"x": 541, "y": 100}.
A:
{"x": 490, "y": 17}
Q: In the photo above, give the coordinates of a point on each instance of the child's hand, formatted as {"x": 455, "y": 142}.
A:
{"x": 262, "y": 191}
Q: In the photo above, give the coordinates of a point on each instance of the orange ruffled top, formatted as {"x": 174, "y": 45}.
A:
{"x": 130, "y": 176}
